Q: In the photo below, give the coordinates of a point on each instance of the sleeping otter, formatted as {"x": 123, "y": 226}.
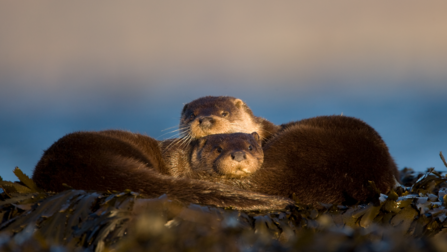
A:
{"x": 322, "y": 159}
{"x": 119, "y": 160}
{"x": 327, "y": 159}
{"x": 221, "y": 114}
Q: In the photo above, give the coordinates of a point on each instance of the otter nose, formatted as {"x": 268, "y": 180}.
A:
{"x": 238, "y": 156}
{"x": 206, "y": 122}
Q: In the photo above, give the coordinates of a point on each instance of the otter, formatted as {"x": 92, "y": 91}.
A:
{"x": 323, "y": 159}
{"x": 221, "y": 114}
{"x": 120, "y": 160}
{"x": 327, "y": 159}
{"x": 189, "y": 162}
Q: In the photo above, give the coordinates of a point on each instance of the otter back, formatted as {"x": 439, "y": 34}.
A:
{"x": 322, "y": 159}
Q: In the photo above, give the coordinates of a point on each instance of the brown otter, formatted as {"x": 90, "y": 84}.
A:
{"x": 322, "y": 159}
{"x": 221, "y": 114}
{"x": 234, "y": 161}
{"x": 119, "y": 160}
{"x": 327, "y": 159}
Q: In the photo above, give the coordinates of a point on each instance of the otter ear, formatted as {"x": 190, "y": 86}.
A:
{"x": 184, "y": 108}
{"x": 257, "y": 138}
{"x": 238, "y": 103}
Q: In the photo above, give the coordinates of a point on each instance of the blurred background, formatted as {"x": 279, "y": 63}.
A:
{"x": 95, "y": 65}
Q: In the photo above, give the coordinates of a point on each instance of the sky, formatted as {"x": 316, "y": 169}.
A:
{"x": 84, "y": 65}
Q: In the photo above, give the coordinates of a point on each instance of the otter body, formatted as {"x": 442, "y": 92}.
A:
{"x": 221, "y": 114}
{"x": 75, "y": 155}
{"x": 323, "y": 159}
{"x": 119, "y": 160}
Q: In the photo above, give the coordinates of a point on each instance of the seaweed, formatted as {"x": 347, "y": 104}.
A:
{"x": 409, "y": 218}
{"x": 442, "y": 158}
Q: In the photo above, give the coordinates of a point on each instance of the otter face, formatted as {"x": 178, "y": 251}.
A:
{"x": 230, "y": 155}
{"x": 216, "y": 115}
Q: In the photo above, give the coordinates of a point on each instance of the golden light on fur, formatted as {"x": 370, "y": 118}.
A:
{"x": 219, "y": 115}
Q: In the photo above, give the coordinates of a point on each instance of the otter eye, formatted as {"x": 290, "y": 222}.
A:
{"x": 192, "y": 116}
{"x": 250, "y": 148}
{"x": 224, "y": 114}
{"x": 219, "y": 150}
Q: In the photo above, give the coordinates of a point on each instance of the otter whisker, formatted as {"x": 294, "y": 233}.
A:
{"x": 166, "y": 133}
{"x": 189, "y": 143}
{"x": 174, "y": 130}
{"x": 173, "y": 143}
{"x": 181, "y": 131}
{"x": 175, "y": 136}
{"x": 184, "y": 127}
{"x": 182, "y": 138}
{"x": 185, "y": 132}
{"x": 170, "y": 128}
{"x": 185, "y": 141}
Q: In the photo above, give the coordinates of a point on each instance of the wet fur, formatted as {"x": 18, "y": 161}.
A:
{"x": 327, "y": 159}
{"x": 119, "y": 160}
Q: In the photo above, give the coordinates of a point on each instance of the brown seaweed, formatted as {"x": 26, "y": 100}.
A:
{"x": 409, "y": 218}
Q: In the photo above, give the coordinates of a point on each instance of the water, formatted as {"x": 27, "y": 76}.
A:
{"x": 413, "y": 125}
{"x": 69, "y": 66}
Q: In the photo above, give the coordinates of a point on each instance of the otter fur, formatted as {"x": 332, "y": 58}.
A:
{"x": 327, "y": 159}
{"x": 216, "y": 155}
{"x": 221, "y": 114}
{"x": 119, "y": 160}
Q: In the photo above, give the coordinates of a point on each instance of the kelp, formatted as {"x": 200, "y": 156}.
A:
{"x": 412, "y": 217}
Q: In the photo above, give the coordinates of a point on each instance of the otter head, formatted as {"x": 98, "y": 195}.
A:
{"x": 216, "y": 115}
{"x": 227, "y": 155}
